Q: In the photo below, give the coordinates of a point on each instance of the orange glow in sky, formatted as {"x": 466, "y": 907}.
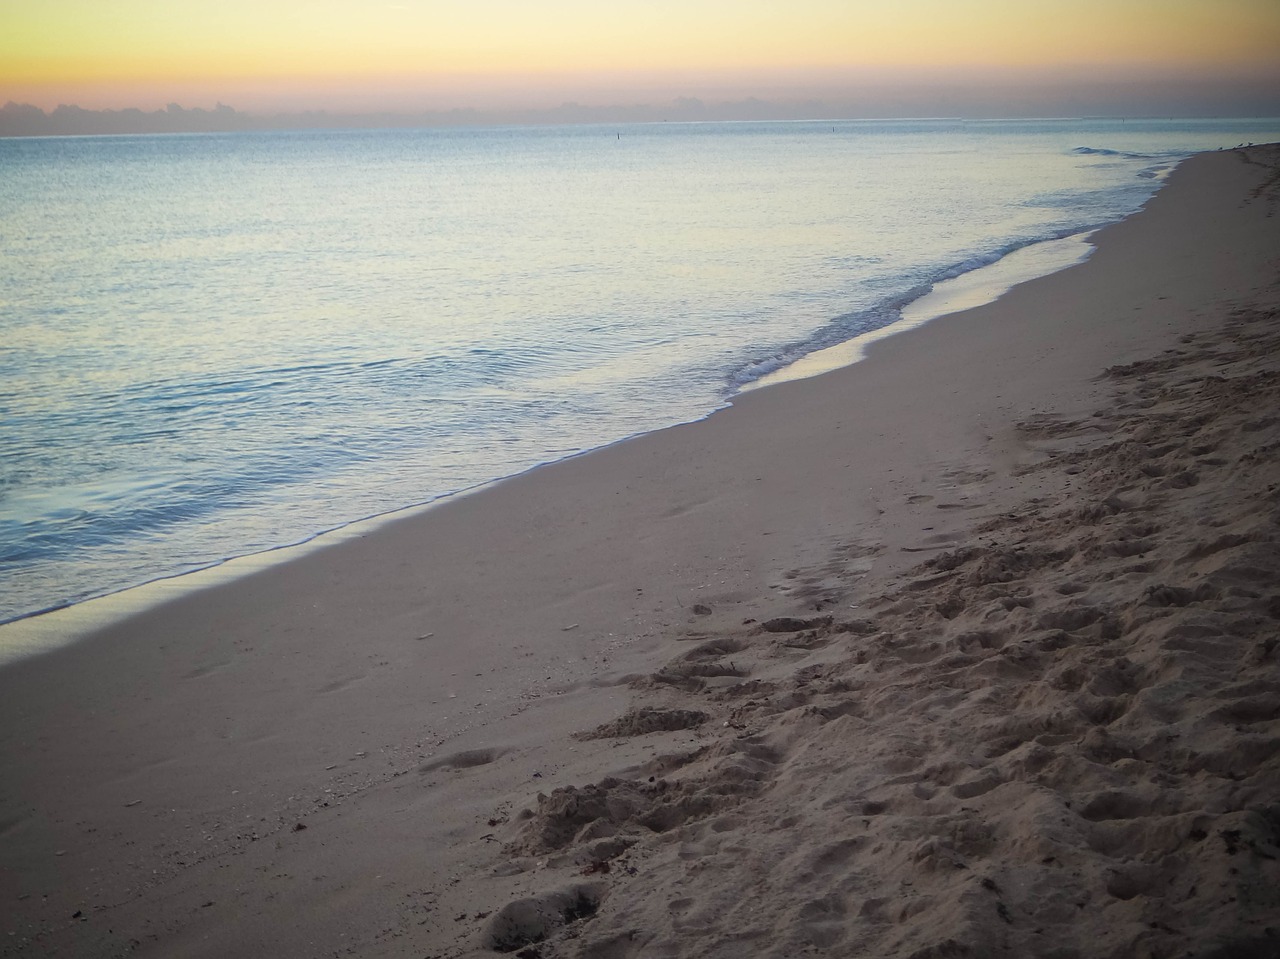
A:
{"x": 437, "y": 53}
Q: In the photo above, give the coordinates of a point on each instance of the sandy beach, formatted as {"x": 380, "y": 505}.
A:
{"x": 968, "y": 649}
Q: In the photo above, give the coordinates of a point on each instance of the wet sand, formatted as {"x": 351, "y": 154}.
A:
{"x": 967, "y": 649}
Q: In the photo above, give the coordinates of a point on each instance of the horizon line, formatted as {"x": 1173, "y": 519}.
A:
{"x": 26, "y": 120}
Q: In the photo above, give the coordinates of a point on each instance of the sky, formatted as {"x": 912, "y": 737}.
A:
{"x": 404, "y": 55}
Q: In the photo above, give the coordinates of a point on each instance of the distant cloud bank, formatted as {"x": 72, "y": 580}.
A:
{"x": 1259, "y": 99}
{"x": 21, "y": 119}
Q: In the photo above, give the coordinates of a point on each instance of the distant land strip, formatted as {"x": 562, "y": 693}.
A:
{"x": 880, "y": 103}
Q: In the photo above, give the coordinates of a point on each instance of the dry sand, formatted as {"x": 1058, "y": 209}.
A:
{"x": 969, "y": 649}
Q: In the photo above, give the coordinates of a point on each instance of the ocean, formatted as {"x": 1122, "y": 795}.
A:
{"x": 217, "y": 345}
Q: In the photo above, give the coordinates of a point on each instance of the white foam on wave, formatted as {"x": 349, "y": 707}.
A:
{"x": 966, "y": 291}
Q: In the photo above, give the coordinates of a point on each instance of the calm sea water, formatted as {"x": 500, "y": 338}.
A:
{"x": 219, "y": 344}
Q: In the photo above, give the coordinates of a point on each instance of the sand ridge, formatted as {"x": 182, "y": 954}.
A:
{"x": 1060, "y": 739}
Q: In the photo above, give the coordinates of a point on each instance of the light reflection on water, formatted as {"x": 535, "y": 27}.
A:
{"x": 212, "y": 345}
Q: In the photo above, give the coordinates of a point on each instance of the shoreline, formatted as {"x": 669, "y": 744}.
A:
{"x": 125, "y": 532}
{"x": 415, "y": 699}
{"x": 44, "y": 630}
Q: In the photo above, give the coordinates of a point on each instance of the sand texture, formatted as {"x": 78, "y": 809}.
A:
{"x": 967, "y": 650}
{"x": 1058, "y": 739}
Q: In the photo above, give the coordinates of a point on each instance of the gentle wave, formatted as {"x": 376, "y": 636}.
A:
{"x": 1130, "y": 155}
{"x": 889, "y": 310}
